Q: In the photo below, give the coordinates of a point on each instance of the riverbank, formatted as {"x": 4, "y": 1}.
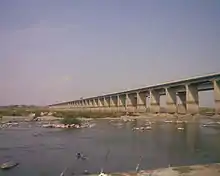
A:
{"x": 151, "y": 117}
{"x": 6, "y": 119}
{"x": 194, "y": 170}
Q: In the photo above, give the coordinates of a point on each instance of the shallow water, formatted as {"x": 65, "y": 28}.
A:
{"x": 42, "y": 151}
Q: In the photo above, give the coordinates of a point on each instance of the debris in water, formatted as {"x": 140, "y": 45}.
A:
{"x": 168, "y": 121}
{"x": 148, "y": 128}
{"x": 62, "y": 173}
{"x": 138, "y": 165}
{"x": 179, "y": 121}
{"x": 80, "y": 156}
{"x": 102, "y": 174}
{"x": 86, "y": 172}
{"x": 9, "y": 165}
{"x": 142, "y": 128}
{"x": 180, "y": 128}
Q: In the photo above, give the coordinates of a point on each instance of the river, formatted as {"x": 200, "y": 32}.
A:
{"x": 44, "y": 151}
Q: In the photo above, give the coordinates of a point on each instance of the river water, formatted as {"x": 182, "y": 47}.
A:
{"x": 44, "y": 151}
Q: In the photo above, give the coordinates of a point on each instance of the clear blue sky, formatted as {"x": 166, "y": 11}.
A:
{"x": 57, "y": 50}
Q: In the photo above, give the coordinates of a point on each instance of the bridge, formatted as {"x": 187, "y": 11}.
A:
{"x": 182, "y": 96}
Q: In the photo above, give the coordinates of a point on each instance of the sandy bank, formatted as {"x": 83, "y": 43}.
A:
{"x": 194, "y": 170}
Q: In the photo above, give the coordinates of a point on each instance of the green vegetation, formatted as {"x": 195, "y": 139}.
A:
{"x": 27, "y": 110}
{"x": 20, "y": 111}
{"x": 206, "y": 111}
{"x": 69, "y": 120}
{"x": 87, "y": 114}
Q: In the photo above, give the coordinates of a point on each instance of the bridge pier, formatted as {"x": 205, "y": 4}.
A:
{"x": 122, "y": 103}
{"x": 216, "y": 84}
{"x": 171, "y": 100}
{"x": 99, "y": 105}
{"x": 141, "y": 101}
{"x": 131, "y": 102}
{"x": 113, "y": 103}
{"x": 192, "y": 99}
{"x": 106, "y": 104}
{"x": 154, "y": 101}
{"x": 181, "y": 108}
{"x": 94, "y": 105}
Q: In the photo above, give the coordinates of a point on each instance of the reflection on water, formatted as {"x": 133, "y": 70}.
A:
{"x": 48, "y": 151}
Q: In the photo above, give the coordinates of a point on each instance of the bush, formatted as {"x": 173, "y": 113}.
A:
{"x": 37, "y": 114}
{"x": 86, "y": 114}
{"x": 70, "y": 120}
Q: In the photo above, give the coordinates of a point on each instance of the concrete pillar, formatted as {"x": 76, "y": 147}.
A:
{"x": 121, "y": 103}
{"x": 76, "y": 105}
{"x": 99, "y": 104}
{"x": 68, "y": 105}
{"x": 154, "y": 101}
{"x": 216, "y": 85}
{"x": 131, "y": 102}
{"x": 71, "y": 105}
{"x": 81, "y": 105}
{"x": 114, "y": 107}
{"x": 192, "y": 99}
{"x": 96, "y": 104}
{"x": 90, "y": 102}
{"x": 141, "y": 101}
{"x": 105, "y": 104}
{"x": 111, "y": 104}
{"x": 126, "y": 101}
{"x": 171, "y": 100}
{"x": 118, "y": 103}
{"x": 181, "y": 108}
{"x": 85, "y": 105}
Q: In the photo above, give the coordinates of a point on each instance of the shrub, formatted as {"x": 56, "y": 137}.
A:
{"x": 69, "y": 121}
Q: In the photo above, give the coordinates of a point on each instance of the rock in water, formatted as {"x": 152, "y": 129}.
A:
{"x": 8, "y": 165}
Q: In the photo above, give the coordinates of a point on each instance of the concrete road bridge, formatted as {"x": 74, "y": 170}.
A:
{"x": 182, "y": 96}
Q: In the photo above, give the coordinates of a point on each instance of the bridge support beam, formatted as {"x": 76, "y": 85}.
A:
{"x": 86, "y": 105}
{"x": 216, "y": 84}
{"x": 82, "y": 105}
{"x": 100, "y": 105}
{"x": 181, "y": 108}
{"x": 90, "y": 104}
{"x": 154, "y": 101}
{"x": 122, "y": 103}
{"x": 171, "y": 100}
{"x": 141, "y": 102}
{"x": 131, "y": 102}
{"x": 192, "y": 99}
{"x": 94, "y": 105}
{"x": 105, "y": 104}
{"x": 113, "y": 103}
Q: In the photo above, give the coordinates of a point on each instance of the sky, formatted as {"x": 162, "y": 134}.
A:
{"x": 53, "y": 50}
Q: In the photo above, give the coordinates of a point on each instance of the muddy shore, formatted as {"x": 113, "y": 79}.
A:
{"x": 194, "y": 170}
